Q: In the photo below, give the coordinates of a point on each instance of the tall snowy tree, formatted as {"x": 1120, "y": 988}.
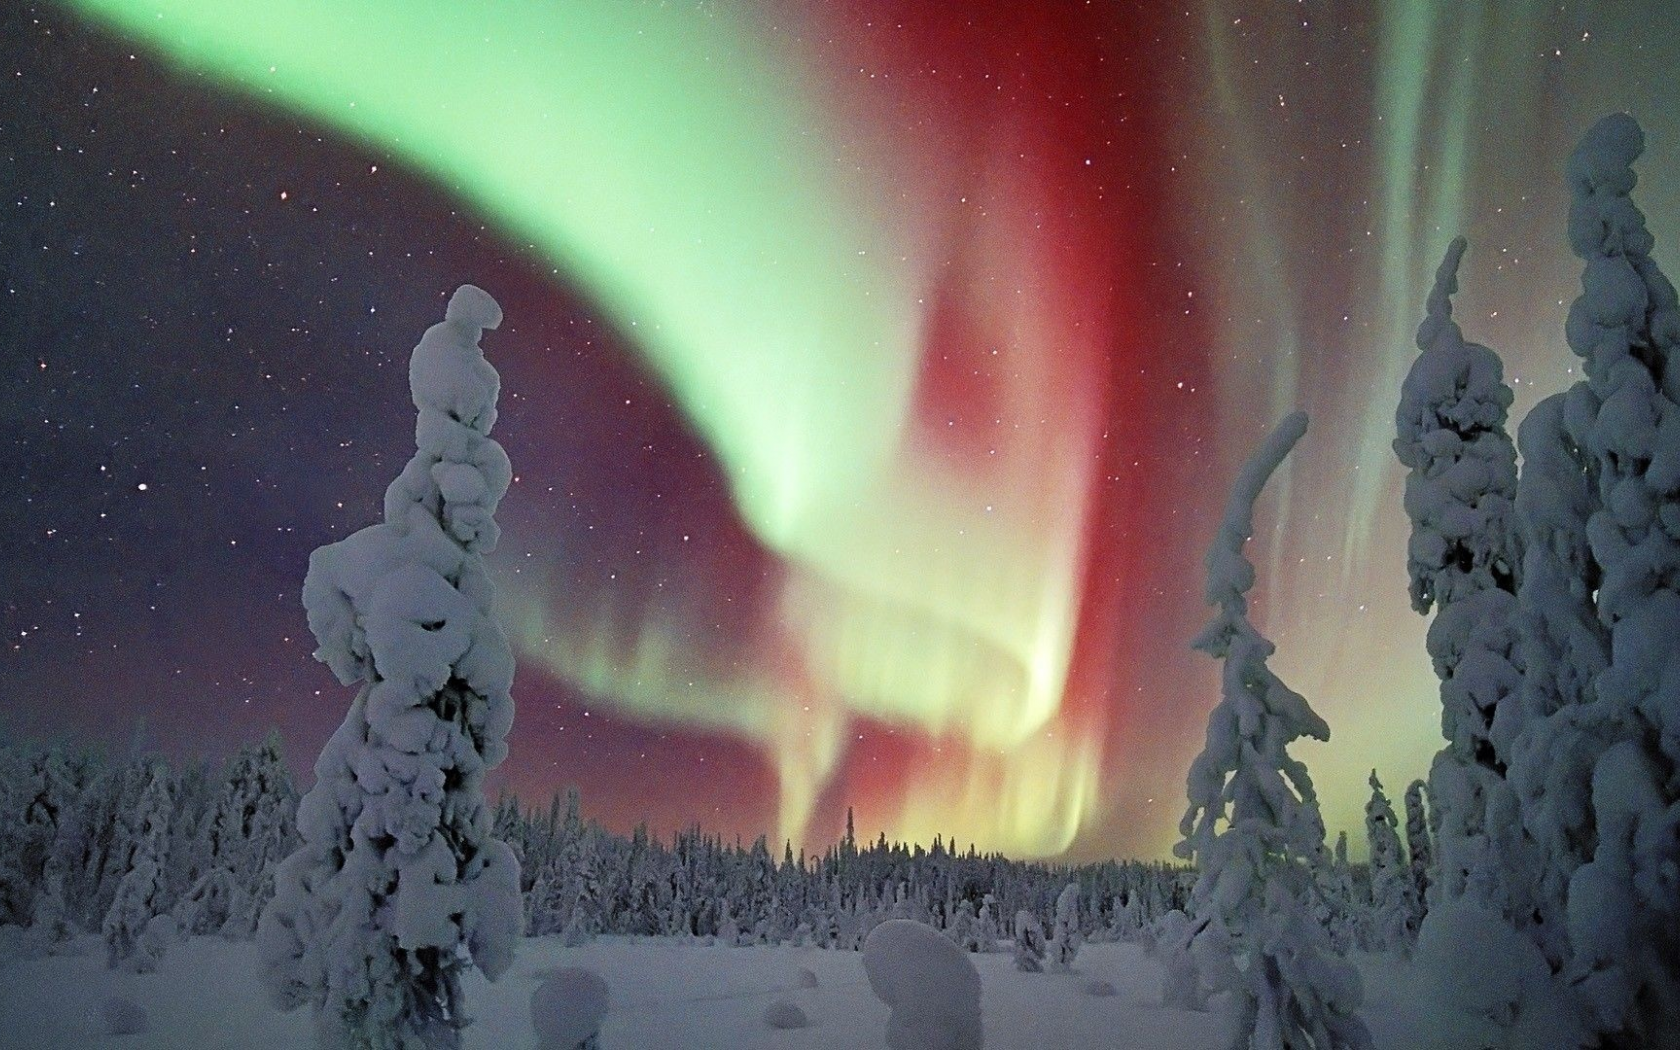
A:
{"x": 1421, "y": 853}
{"x": 52, "y": 924}
{"x": 251, "y": 829}
{"x": 1565, "y": 649}
{"x": 1623, "y": 421}
{"x": 399, "y": 887}
{"x": 1391, "y": 908}
{"x": 123, "y": 834}
{"x": 1031, "y": 948}
{"x": 1336, "y": 910}
{"x": 1253, "y": 825}
{"x": 256, "y": 829}
{"x": 1464, "y": 560}
{"x": 1065, "y": 941}
{"x": 130, "y": 940}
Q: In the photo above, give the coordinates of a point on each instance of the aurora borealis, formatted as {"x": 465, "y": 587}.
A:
{"x": 876, "y": 368}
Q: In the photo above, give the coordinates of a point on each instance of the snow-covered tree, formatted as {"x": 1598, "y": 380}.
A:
{"x": 248, "y": 832}
{"x": 52, "y": 924}
{"x": 191, "y": 832}
{"x": 1342, "y": 917}
{"x": 122, "y": 835}
{"x": 1420, "y": 852}
{"x": 960, "y": 928}
{"x": 1565, "y": 648}
{"x": 131, "y": 940}
{"x": 729, "y": 933}
{"x": 1030, "y": 946}
{"x": 398, "y": 887}
{"x": 1125, "y": 918}
{"x": 40, "y": 791}
{"x": 1391, "y": 907}
{"x": 1253, "y": 825}
{"x": 1065, "y": 942}
{"x": 1196, "y": 957}
{"x": 1623, "y": 903}
{"x": 256, "y": 829}
{"x": 986, "y": 933}
{"x": 1464, "y": 560}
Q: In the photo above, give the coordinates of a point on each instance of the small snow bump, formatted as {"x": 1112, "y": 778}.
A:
{"x": 782, "y": 1014}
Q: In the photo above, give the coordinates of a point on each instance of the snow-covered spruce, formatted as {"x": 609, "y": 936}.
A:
{"x": 52, "y": 927}
{"x": 256, "y": 828}
{"x": 1623, "y": 903}
{"x": 1343, "y": 917}
{"x": 1030, "y": 946}
{"x": 1252, "y": 824}
{"x": 930, "y": 987}
{"x": 1065, "y": 942}
{"x": 1182, "y": 985}
{"x": 131, "y": 941}
{"x": 1463, "y": 559}
{"x": 398, "y": 887}
{"x": 1564, "y": 649}
{"x": 250, "y": 829}
{"x": 1391, "y": 905}
{"x": 1421, "y": 854}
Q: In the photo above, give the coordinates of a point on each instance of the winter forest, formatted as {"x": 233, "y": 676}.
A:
{"x": 779, "y": 577}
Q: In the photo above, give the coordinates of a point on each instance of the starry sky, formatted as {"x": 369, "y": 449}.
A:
{"x": 872, "y": 374}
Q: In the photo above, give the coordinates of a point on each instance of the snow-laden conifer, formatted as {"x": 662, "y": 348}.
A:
{"x": 1564, "y": 649}
{"x": 1391, "y": 908}
{"x": 1464, "y": 558}
{"x": 256, "y": 829}
{"x": 52, "y": 923}
{"x": 1420, "y": 852}
{"x": 139, "y": 896}
{"x": 399, "y": 887}
{"x": 1065, "y": 941}
{"x": 1623, "y": 902}
{"x": 1253, "y": 825}
{"x": 1030, "y": 945}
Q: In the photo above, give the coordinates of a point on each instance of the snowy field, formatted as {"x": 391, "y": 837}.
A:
{"x": 666, "y": 995}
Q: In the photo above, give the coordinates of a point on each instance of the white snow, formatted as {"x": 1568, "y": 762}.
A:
{"x": 668, "y": 994}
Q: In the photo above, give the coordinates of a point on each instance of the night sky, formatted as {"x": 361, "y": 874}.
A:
{"x": 872, "y": 371}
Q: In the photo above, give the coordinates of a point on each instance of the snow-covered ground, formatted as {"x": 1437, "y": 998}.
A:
{"x": 665, "y": 994}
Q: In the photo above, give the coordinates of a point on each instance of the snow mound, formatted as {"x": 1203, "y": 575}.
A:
{"x": 119, "y": 1016}
{"x": 807, "y": 979}
{"x": 568, "y": 1007}
{"x": 928, "y": 984}
{"x": 1099, "y": 989}
{"x": 783, "y": 1014}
